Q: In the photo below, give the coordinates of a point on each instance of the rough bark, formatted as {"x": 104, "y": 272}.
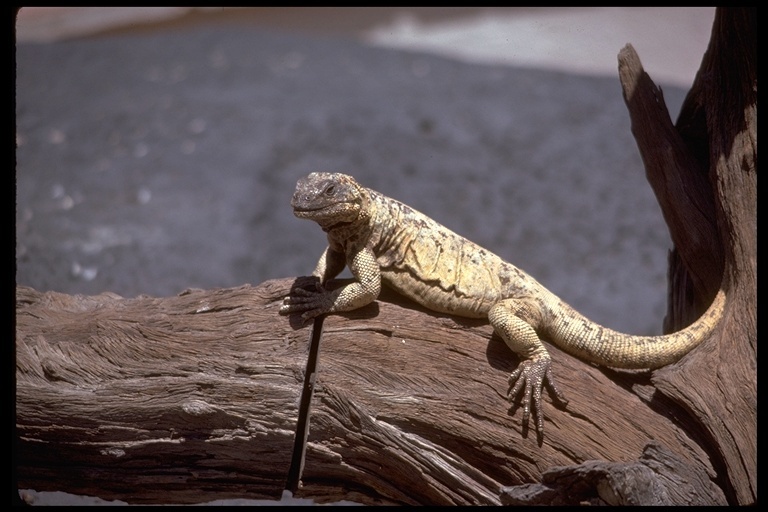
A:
{"x": 658, "y": 478}
{"x": 194, "y": 398}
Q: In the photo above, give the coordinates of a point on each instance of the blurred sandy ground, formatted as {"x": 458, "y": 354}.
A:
{"x": 670, "y": 40}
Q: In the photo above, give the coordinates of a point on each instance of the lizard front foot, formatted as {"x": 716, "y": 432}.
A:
{"x": 529, "y": 378}
{"x": 310, "y": 303}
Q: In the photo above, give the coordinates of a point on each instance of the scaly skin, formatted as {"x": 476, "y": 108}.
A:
{"x": 381, "y": 239}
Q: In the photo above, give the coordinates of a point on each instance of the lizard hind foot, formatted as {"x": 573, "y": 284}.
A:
{"x": 525, "y": 387}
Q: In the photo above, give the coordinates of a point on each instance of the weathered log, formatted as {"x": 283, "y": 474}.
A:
{"x": 194, "y": 398}
{"x": 155, "y": 400}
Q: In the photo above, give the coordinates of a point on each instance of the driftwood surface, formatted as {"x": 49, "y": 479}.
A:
{"x": 194, "y": 398}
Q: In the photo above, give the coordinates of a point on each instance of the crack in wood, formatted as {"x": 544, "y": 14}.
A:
{"x": 302, "y": 425}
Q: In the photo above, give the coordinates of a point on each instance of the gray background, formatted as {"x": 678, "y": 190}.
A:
{"x": 155, "y": 158}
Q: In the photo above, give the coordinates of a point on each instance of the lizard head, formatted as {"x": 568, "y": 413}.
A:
{"x": 330, "y": 199}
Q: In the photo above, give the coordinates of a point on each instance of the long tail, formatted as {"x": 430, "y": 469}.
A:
{"x": 587, "y": 340}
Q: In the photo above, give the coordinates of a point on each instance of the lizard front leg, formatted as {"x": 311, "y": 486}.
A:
{"x": 361, "y": 292}
{"x": 513, "y": 320}
{"x": 330, "y": 264}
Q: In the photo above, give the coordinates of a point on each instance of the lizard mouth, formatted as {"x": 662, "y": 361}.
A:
{"x": 341, "y": 211}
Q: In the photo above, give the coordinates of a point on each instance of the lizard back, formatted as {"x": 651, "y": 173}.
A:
{"x": 434, "y": 266}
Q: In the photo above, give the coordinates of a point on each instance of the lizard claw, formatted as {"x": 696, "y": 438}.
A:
{"x": 310, "y": 303}
{"x": 529, "y": 378}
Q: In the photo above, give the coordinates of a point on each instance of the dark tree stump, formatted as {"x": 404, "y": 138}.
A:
{"x": 704, "y": 173}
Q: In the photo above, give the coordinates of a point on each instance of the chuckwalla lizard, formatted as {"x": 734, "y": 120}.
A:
{"x": 381, "y": 239}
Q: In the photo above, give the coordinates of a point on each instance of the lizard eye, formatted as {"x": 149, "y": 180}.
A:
{"x": 329, "y": 190}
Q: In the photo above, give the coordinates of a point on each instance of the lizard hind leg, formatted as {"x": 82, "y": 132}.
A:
{"x": 514, "y": 320}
